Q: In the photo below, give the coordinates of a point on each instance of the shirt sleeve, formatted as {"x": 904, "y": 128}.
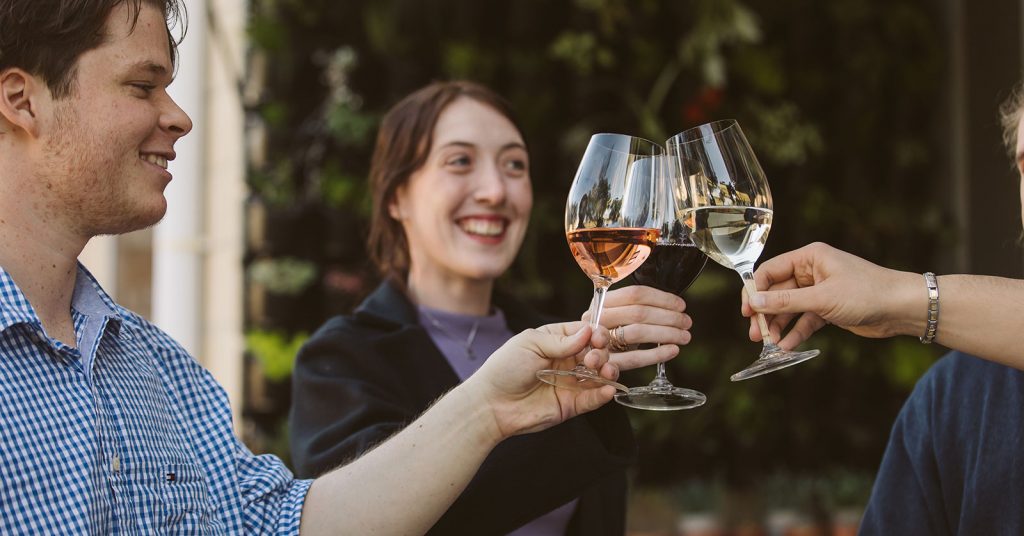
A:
{"x": 272, "y": 497}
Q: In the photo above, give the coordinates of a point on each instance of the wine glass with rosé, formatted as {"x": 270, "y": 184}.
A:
{"x": 610, "y": 224}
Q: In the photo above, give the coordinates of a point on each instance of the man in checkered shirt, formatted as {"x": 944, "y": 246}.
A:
{"x": 110, "y": 427}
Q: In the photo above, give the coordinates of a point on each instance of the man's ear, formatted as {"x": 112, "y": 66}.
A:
{"x": 19, "y": 100}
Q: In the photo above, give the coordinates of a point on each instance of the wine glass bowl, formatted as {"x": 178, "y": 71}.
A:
{"x": 728, "y": 209}
{"x": 609, "y": 226}
{"x": 671, "y": 267}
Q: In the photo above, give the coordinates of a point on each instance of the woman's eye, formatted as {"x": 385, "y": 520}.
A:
{"x": 460, "y": 161}
{"x": 516, "y": 166}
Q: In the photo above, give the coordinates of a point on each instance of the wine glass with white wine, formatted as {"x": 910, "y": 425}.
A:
{"x": 729, "y": 213}
{"x": 610, "y": 226}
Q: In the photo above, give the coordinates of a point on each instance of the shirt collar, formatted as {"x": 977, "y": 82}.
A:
{"x": 89, "y": 299}
{"x": 14, "y": 306}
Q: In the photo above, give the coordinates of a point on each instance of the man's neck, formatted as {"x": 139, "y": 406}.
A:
{"x": 44, "y": 264}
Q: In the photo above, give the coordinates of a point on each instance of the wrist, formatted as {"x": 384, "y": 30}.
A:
{"x": 909, "y": 305}
{"x": 479, "y": 411}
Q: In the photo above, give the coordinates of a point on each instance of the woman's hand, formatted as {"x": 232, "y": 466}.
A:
{"x": 637, "y": 315}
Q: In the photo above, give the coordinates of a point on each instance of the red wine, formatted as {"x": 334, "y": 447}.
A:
{"x": 611, "y": 253}
{"x": 671, "y": 267}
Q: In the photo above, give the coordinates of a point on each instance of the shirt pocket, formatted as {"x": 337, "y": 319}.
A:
{"x": 186, "y": 507}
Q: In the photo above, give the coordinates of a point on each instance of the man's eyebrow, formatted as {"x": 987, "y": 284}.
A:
{"x": 149, "y": 66}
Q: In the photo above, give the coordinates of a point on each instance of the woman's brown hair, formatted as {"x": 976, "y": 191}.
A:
{"x": 403, "y": 144}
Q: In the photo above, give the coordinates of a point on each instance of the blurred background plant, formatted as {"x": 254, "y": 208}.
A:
{"x": 814, "y": 84}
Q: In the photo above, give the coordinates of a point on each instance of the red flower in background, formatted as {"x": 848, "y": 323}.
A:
{"x": 698, "y": 109}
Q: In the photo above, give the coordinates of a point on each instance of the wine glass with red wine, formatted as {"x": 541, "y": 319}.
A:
{"x": 674, "y": 263}
{"x": 610, "y": 226}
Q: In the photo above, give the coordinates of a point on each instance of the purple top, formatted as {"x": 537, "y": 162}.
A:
{"x": 466, "y": 341}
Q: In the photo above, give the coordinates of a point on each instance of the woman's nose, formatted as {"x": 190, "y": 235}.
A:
{"x": 491, "y": 187}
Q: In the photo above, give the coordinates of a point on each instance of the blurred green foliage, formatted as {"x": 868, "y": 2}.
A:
{"x": 274, "y": 351}
{"x": 282, "y": 275}
{"x": 838, "y": 98}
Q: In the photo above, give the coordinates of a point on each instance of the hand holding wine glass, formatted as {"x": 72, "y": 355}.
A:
{"x": 729, "y": 213}
{"x": 609, "y": 224}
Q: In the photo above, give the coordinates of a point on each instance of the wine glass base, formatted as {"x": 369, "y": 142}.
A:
{"x": 577, "y": 379}
{"x": 772, "y": 360}
{"x": 658, "y": 398}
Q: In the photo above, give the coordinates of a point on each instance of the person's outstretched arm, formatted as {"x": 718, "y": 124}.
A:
{"x": 404, "y": 485}
{"x": 979, "y": 315}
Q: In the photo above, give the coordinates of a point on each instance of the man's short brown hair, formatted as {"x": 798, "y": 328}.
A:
{"x": 46, "y": 37}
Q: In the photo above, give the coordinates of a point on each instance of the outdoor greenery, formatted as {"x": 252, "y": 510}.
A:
{"x": 837, "y": 97}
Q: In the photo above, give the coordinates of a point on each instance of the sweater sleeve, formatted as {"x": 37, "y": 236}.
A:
{"x": 340, "y": 408}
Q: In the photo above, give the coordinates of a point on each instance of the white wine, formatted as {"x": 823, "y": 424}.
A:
{"x": 732, "y": 236}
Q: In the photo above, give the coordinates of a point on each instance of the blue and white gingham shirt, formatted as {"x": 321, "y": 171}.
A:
{"x": 127, "y": 434}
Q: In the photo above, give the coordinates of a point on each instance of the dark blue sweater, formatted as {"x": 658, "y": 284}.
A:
{"x": 955, "y": 459}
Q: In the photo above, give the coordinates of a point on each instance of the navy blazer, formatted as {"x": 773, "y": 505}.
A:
{"x": 362, "y": 377}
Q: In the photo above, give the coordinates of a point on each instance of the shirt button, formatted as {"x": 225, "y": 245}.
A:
{"x": 115, "y": 464}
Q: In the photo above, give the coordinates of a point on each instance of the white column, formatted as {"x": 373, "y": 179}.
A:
{"x": 223, "y": 345}
{"x": 178, "y": 239}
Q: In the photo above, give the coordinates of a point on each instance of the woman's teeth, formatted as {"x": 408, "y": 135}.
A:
{"x": 483, "y": 227}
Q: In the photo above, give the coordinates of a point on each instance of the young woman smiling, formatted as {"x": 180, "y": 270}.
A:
{"x": 451, "y": 199}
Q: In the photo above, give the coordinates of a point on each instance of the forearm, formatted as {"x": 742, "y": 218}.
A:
{"x": 979, "y": 315}
{"x": 404, "y": 485}
{"x": 983, "y": 316}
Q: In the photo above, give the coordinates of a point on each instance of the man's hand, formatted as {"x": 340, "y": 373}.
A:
{"x": 818, "y": 284}
{"x": 508, "y": 384}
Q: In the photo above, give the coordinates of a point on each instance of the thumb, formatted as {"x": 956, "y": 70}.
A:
{"x": 797, "y": 300}
{"x": 557, "y": 346}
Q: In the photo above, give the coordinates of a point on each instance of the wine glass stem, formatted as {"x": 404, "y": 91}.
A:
{"x": 597, "y": 304}
{"x": 751, "y": 287}
{"x": 661, "y": 376}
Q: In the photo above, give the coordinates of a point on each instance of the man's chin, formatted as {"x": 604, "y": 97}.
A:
{"x": 127, "y": 222}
